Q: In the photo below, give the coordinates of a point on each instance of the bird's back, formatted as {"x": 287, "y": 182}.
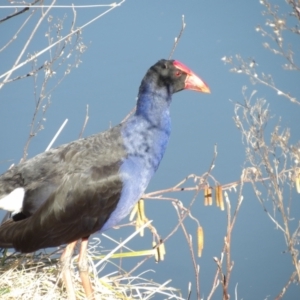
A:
{"x": 42, "y": 174}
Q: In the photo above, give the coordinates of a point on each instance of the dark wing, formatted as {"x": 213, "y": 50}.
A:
{"x": 41, "y": 175}
{"x": 85, "y": 189}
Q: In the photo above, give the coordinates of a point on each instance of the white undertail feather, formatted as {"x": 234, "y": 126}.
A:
{"x": 13, "y": 201}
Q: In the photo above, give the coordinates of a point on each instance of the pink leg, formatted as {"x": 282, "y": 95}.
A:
{"x": 84, "y": 268}
{"x": 66, "y": 273}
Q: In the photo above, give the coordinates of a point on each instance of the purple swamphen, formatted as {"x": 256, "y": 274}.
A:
{"x": 89, "y": 185}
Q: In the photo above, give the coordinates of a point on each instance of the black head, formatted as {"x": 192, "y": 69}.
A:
{"x": 174, "y": 76}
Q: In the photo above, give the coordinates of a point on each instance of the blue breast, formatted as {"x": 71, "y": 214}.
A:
{"x": 146, "y": 135}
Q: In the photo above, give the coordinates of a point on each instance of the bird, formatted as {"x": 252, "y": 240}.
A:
{"x": 89, "y": 185}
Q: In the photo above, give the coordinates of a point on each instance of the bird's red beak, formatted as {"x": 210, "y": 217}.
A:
{"x": 192, "y": 81}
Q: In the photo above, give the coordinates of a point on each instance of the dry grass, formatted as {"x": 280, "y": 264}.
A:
{"x": 38, "y": 276}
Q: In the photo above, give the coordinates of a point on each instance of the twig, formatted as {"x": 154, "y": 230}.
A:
{"x": 188, "y": 238}
{"x": 85, "y": 121}
{"x": 33, "y": 57}
{"x": 8, "y": 73}
{"x": 129, "y": 115}
{"x": 61, "y": 6}
{"x": 18, "y": 12}
{"x": 177, "y": 39}
{"x": 291, "y": 279}
{"x": 17, "y": 32}
{"x": 56, "y": 135}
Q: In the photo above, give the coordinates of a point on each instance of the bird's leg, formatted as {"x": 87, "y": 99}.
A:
{"x": 66, "y": 273}
{"x": 84, "y": 268}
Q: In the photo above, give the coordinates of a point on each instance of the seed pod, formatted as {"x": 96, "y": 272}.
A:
{"x": 210, "y": 201}
{"x": 138, "y": 222}
{"x": 141, "y": 223}
{"x": 217, "y": 196}
{"x": 162, "y": 247}
{"x": 200, "y": 240}
{"x": 162, "y": 250}
{"x": 220, "y": 197}
{"x": 205, "y": 196}
{"x": 142, "y": 232}
{"x": 156, "y": 255}
{"x": 141, "y": 207}
{"x": 133, "y": 212}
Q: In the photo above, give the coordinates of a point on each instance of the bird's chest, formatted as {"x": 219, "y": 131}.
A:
{"x": 145, "y": 147}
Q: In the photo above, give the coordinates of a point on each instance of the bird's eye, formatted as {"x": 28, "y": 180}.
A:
{"x": 177, "y": 73}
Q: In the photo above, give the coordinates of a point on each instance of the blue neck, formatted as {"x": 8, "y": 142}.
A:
{"x": 147, "y": 132}
{"x": 153, "y": 105}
